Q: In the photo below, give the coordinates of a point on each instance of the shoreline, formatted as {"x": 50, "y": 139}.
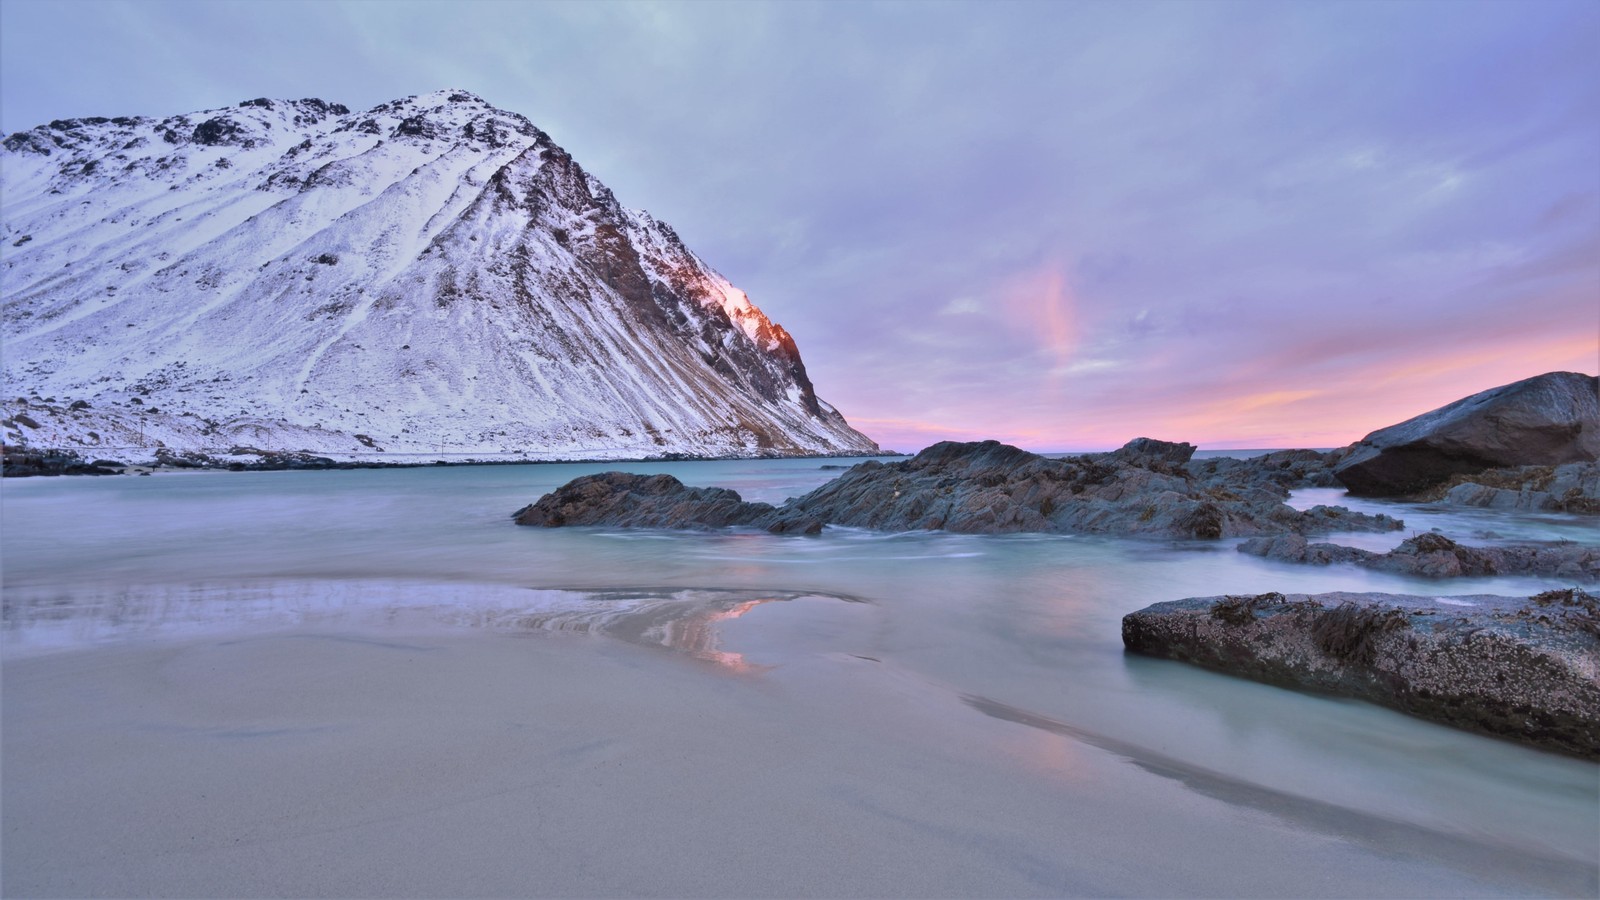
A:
{"x": 287, "y": 460}
{"x": 311, "y": 462}
{"x": 315, "y": 757}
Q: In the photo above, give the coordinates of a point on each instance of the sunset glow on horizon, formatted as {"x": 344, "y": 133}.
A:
{"x": 1061, "y": 226}
{"x": 1311, "y": 416}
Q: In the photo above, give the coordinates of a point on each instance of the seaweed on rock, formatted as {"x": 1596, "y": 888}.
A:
{"x": 1350, "y": 632}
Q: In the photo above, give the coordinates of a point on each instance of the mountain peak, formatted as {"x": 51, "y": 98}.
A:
{"x": 429, "y": 274}
{"x": 448, "y": 95}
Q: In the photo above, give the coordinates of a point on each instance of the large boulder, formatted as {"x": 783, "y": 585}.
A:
{"x": 1547, "y": 420}
{"x": 1521, "y": 668}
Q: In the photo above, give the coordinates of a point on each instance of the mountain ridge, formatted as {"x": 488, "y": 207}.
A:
{"x": 430, "y": 275}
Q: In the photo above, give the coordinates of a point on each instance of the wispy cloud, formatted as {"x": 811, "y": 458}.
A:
{"x": 1062, "y": 224}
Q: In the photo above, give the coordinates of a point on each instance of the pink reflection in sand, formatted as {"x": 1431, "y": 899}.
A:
{"x": 697, "y": 635}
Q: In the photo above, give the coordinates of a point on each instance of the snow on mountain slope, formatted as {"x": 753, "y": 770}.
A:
{"x": 431, "y": 276}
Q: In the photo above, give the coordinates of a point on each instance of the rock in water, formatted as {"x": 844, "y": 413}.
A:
{"x": 1433, "y": 555}
{"x": 1521, "y": 668}
{"x": 1546, "y": 420}
{"x": 625, "y": 500}
{"x": 1146, "y": 488}
{"x": 1572, "y": 488}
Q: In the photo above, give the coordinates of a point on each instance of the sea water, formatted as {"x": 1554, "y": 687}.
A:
{"x": 1022, "y": 627}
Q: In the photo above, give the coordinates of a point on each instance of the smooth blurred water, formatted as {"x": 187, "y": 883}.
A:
{"x": 1028, "y": 621}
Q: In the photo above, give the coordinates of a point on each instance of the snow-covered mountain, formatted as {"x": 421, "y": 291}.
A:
{"x": 431, "y": 276}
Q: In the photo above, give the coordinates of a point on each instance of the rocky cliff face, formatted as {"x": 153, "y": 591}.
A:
{"x": 432, "y": 275}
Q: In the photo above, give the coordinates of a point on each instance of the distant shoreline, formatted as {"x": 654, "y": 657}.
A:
{"x": 68, "y": 462}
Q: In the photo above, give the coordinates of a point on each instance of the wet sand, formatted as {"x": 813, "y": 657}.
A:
{"x": 422, "y": 758}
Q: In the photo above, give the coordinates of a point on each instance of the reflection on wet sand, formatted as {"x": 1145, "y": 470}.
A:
{"x": 698, "y": 636}
{"x": 682, "y": 620}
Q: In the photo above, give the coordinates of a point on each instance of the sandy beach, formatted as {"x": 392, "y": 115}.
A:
{"x": 369, "y": 683}
{"x": 421, "y": 758}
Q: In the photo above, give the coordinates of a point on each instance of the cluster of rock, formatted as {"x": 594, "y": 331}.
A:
{"x": 1520, "y": 668}
{"x": 1523, "y": 668}
{"x": 1283, "y": 470}
{"x": 250, "y": 459}
{"x": 22, "y": 462}
{"x": 1436, "y": 556}
{"x": 1145, "y": 488}
{"x": 25, "y": 462}
{"x": 1527, "y": 669}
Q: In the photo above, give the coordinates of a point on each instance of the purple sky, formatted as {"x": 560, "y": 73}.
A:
{"x": 1058, "y": 224}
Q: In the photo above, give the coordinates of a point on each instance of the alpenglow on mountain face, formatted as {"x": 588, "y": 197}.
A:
{"x": 433, "y": 275}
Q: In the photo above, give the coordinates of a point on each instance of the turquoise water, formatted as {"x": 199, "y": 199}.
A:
{"x": 1024, "y": 623}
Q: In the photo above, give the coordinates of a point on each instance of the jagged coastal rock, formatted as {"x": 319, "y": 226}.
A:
{"x": 430, "y": 277}
{"x": 1521, "y": 668}
{"x": 654, "y": 501}
{"x": 1572, "y": 488}
{"x": 1279, "y": 470}
{"x": 1436, "y": 556}
{"x": 1547, "y": 420}
{"x": 1145, "y": 488}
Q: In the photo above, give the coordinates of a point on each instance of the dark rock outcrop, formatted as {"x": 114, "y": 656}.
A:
{"x": 183, "y": 460}
{"x": 655, "y": 501}
{"x": 1521, "y": 668}
{"x": 265, "y": 461}
{"x": 1547, "y": 420}
{"x": 1151, "y": 453}
{"x": 974, "y": 488}
{"x": 20, "y": 462}
{"x": 1145, "y": 488}
{"x": 1436, "y": 556}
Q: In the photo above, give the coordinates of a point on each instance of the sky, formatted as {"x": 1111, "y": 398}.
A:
{"x": 1058, "y": 224}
